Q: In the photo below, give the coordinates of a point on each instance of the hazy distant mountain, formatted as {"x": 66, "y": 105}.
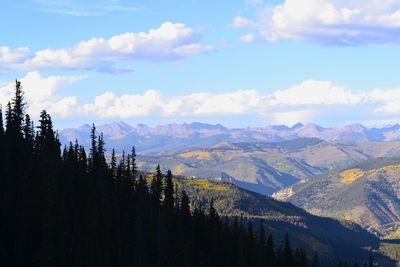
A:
{"x": 367, "y": 193}
{"x": 175, "y": 137}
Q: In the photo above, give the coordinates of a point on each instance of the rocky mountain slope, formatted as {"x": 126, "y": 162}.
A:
{"x": 180, "y": 136}
{"x": 367, "y": 193}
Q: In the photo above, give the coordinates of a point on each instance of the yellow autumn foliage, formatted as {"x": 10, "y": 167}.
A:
{"x": 207, "y": 185}
{"x": 394, "y": 235}
{"x": 349, "y": 176}
{"x": 201, "y": 155}
{"x": 179, "y": 169}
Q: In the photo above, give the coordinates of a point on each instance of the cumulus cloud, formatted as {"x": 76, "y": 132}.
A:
{"x": 240, "y": 22}
{"x": 124, "y": 106}
{"x": 8, "y": 55}
{"x": 237, "y": 102}
{"x": 293, "y": 117}
{"x": 41, "y": 93}
{"x": 169, "y": 42}
{"x": 332, "y": 22}
{"x": 308, "y": 101}
{"x": 248, "y": 38}
{"x": 312, "y": 92}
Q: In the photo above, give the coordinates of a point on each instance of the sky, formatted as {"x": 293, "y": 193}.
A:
{"x": 239, "y": 63}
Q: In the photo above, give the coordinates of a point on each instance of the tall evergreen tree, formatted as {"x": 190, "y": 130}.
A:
{"x": 287, "y": 253}
{"x": 169, "y": 191}
{"x": 113, "y": 165}
{"x": 133, "y": 166}
{"x": 1, "y": 123}
{"x": 156, "y": 186}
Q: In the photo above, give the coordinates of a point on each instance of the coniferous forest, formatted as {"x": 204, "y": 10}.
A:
{"x": 69, "y": 207}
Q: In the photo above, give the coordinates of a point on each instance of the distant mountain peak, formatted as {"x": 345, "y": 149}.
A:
{"x": 85, "y": 127}
{"x": 355, "y": 127}
{"x": 124, "y": 124}
{"x": 200, "y": 125}
{"x": 297, "y": 125}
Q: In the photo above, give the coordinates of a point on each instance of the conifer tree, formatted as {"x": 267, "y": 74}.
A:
{"x": 113, "y": 165}
{"x": 1, "y": 141}
{"x": 133, "y": 166}
{"x": 261, "y": 233}
{"x": 287, "y": 252}
{"x": 1, "y": 123}
{"x": 315, "y": 260}
{"x": 156, "y": 186}
{"x": 370, "y": 261}
{"x": 185, "y": 205}
{"x": 169, "y": 191}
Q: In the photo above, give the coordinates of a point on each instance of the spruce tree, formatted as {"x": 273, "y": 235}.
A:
{"x": 1, "y": 123}
{"x": 287, "y": 252}
{"x": 133, "y": 166}
{"x": 315, "y": 260}
{"x": 185, "y": 205}
{"x": 156, "y": 186}
{"x": 113, "y": 165}
{"x": 169, "y": 191}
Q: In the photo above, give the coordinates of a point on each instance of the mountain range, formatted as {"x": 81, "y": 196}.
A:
{"x": 180, "y": 136}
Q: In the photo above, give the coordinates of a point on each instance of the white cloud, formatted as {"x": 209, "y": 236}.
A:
{"x": 41, "y": 93}
{"x": 169, "y": 42}
{"x": 292, "y": 117}
{"x": 237, "y": 102}
{"x": 254, "y": 2}
{"x": 390, "y": 100}
{"x": 248, "y": 38}
{"x": 240, "y": 22}
{"x": 313, "y": 92}
{"x": 332, "y": 22}
{"x": 125, "y": 106}
{"x": 8, "y": 55}
{"x": 309, "y": 101}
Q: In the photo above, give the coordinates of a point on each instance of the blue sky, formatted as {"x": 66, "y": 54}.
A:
{"x": 239, "y": 63}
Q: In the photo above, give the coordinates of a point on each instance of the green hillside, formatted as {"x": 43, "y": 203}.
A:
{"x": 344, "y": 240}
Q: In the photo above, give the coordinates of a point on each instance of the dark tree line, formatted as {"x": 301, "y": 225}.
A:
{"x": 68, "y": 208}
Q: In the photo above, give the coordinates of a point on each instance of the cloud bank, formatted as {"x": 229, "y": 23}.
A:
{"x": 169, "y": 42}
{"x": 308, "y": 101}
{"x": 329, "y": 22}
